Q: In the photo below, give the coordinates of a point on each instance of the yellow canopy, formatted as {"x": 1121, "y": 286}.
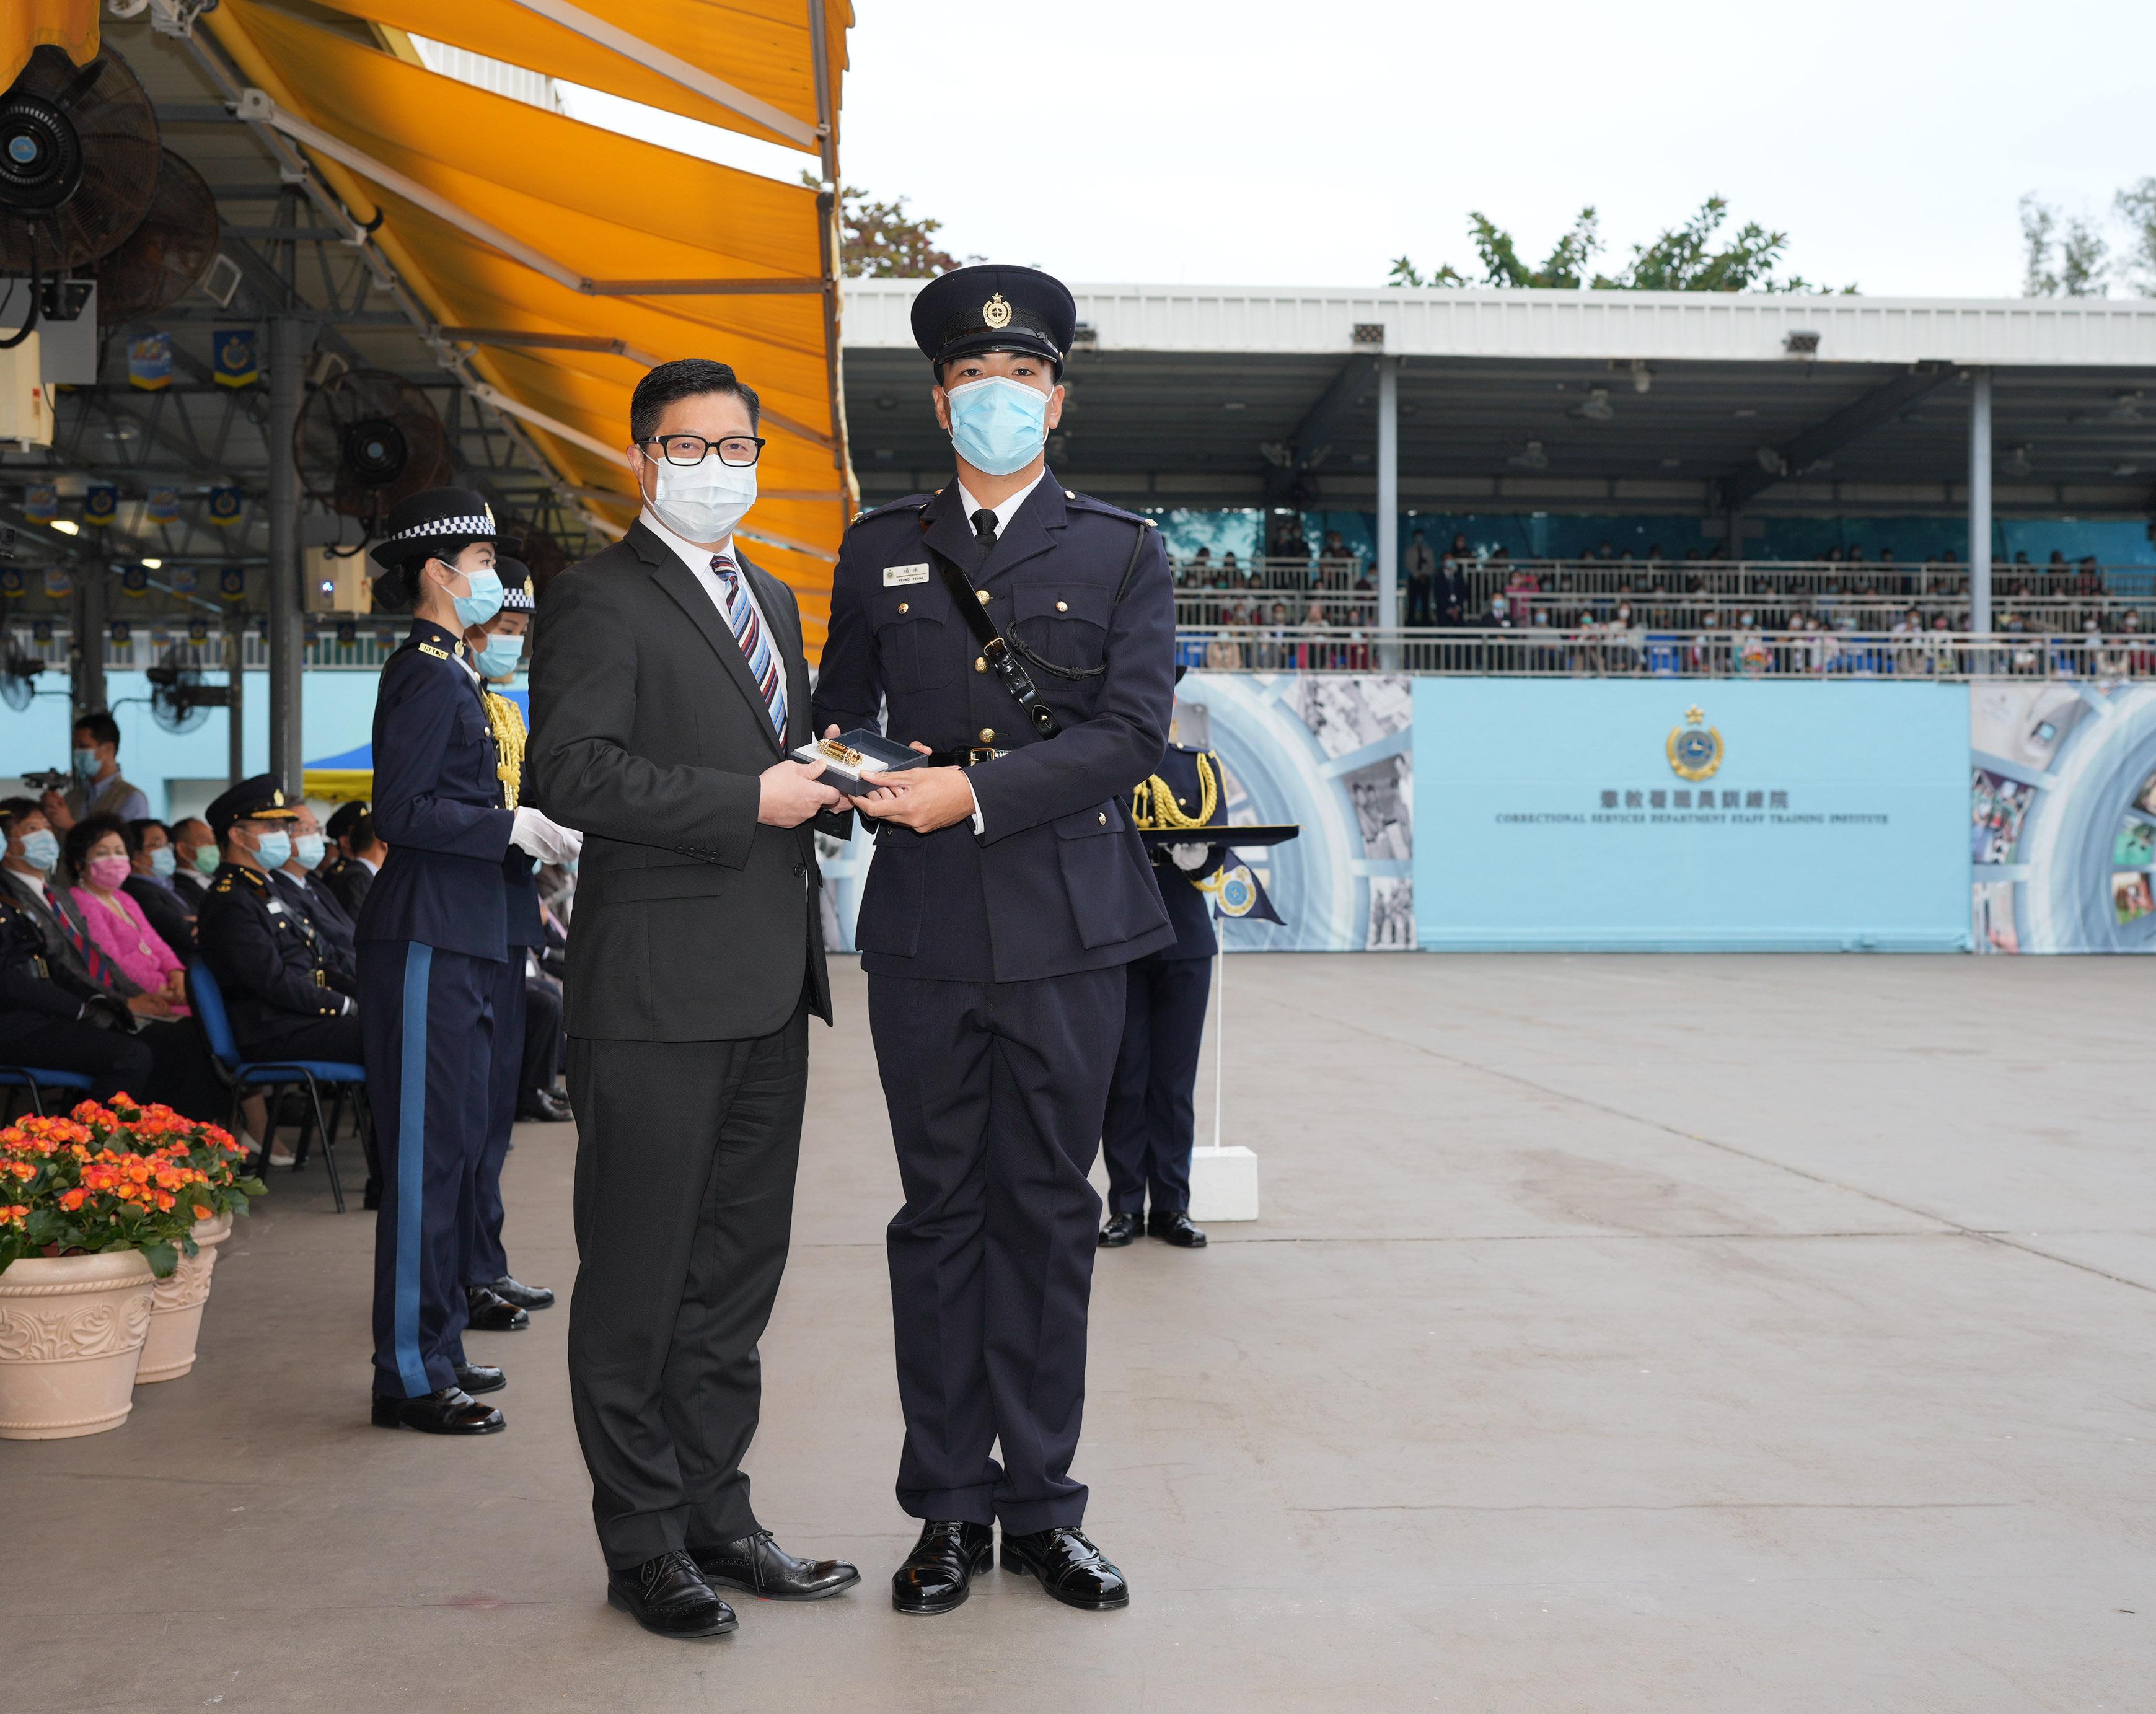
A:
{"x": 515, "y": 227}
{"x": 26, "y": 25}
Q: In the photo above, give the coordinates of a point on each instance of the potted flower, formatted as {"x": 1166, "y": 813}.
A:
{"x": 93, "y": 1210}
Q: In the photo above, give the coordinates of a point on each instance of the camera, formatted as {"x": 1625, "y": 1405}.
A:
{"x": 52, "y": 779}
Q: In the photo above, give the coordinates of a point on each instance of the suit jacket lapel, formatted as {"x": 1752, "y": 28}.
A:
{"x": 949, "y": 532}
{"x": 1032, "y": 530}
{"x": 676, "y": 578}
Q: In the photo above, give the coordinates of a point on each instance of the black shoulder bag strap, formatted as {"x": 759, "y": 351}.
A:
{"x": 1002, "y": 653}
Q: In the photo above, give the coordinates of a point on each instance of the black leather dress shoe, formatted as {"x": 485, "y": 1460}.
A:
{"x": 478, "y": 1378}
{"x": 511, "y": 1289}
{"x": 493, "y": 1314}
{"x": 1069, "y": 1567}
{"x": 537, "y": 1106}
{"x": 939, "y": 1573}
{"x": 1121, "y": 1229}
{"x": 761, "y": 1566}
{"x": 451, "y": 1411}
{"x": 669, "y": 1596}
{"x": 1175, "y": 1225}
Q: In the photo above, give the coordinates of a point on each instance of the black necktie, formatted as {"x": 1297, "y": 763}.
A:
{"x": 984, "y": 528}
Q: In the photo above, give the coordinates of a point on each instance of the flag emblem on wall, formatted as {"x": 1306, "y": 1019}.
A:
{"x": 236, "y": 364}
{"x": 58, "y": 585}
{"x": 232, "y": 583}
{"x": 225, "y": 507}
{"x": 197, "y": 630}
{"x": 164, "y": 505}
{"x": 41, "y": 502}
{"x": 181, "y": 579}
{"x": 11, "y": 580}
{"x": 122, "y": 633}
{"x": 150, "y": 362}
{"x": 100, "y": 504}
{"x": 134, "y": 580}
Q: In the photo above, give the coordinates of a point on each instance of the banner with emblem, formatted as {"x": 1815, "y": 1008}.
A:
{"x": 1238, "y": 893}
{"x": 225, "y": 507}
{"x": 163, "y": 506}
{"x": 231, "y": 584}
{"x": 41, "y": 502}
{"x": 100, "y": 505}
{"x": 236, "y": 364}
{"x": 181, "y": 579}
{"x": 58, "y": 585}
{"x": 150, "y": 362}
{"x": 123, "y": 634}
{"x": 11, "y": 580}
{"x": 134, "y": 580}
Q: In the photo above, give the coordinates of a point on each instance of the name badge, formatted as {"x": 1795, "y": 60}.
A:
{"x": 894, "y": 576}
{"x": 276, "y": 907}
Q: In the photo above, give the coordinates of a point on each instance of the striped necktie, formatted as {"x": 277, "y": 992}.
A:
{"x": 755, "y": 645}
{"x": 93, "y": 960}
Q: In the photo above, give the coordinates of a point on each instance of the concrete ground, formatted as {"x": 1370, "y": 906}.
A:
{"x": 1656, "y": 1333}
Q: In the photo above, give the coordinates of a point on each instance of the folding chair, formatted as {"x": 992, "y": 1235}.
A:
{"x": 273, "y": 1076}
{"x": 37, "y": 1079}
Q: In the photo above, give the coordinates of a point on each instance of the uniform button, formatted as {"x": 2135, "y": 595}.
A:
{"x": 1063, "y": 606}
{"x": 1104, "y": 817}
{"x": 979, "y": 666}
{"x": 983, "y": 594}
{"x": 987, "y": 735}
{"x": 902, "y": 606}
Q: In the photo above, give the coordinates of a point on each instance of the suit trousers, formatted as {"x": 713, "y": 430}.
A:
{"x": 485, "y": 1260}
{"x": 116, "y": 1061}
{"x": 1152, "y": 1107}
{"x": 427, "y": 1020}
{"x": 995, "y": 1091}
{"x": 684, "y": 1205}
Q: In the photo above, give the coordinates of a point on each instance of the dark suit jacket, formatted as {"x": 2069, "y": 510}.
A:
{"x": 333, "y": 929}
{"x": 169, "y": 915}
{"x": 695, "y": 921}
{"x": 1058, "y": 881}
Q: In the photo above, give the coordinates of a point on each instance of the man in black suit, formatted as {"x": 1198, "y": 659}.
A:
{"x": 668, "y": 684}
{"x": 356, "y": 854}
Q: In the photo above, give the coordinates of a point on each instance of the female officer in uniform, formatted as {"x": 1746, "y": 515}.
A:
{"x": 432, "y": 937}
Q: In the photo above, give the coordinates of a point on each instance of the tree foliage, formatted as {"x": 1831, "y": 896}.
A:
{"x": 881, "y": 241}
{"x": 2063, "y": 255}
{"x": 2136, "y": 205}
{"x": 1690, "y": 257}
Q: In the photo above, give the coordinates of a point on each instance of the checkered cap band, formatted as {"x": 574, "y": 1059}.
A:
{"x": 474, "y": 524}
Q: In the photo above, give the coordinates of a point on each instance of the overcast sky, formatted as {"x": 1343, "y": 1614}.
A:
{"x": 1309, "y": 142}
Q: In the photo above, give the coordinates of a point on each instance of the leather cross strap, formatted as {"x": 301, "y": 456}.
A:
{"x": 995, "y": 647}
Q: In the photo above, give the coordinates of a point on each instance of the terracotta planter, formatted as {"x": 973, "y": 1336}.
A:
{"x": 71, "y": 1332}
{"x": 175, "y": 1310}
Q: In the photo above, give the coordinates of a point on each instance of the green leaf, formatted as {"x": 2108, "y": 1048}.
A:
{"x": 162, "y": 1258}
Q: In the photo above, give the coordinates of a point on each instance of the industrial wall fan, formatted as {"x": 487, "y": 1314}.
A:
{"x": 18, "y": 680}
{"x": 78, "y": 166}
{"x": 179, "y": 701}
{"x": 366, "y": 440}
{"x": 159, "y": 261}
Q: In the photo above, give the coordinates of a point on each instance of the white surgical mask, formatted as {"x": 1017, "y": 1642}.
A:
{"x": 702, "y": 502}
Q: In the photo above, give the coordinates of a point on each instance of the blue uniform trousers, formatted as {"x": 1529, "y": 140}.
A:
{"x": 485, "y": 1260}
{"x": 1152, "y": 1111}
{"x": 428, "y": 1017}
{"x": 995, "y": 1091}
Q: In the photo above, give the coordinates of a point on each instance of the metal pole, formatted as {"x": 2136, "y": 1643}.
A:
{"x": 1220, "y": 1024}
{"x": 1389, "y": 506}
{"x": 235, "y": 707}
{"x": 1979, "y": 502}
{"x": 91, "y": 636}
{"x": 287, "y": 621}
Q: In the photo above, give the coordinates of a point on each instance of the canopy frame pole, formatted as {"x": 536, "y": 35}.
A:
{"x": 287, "y": 623}
{"x": 1979, "y": 502}
{"x": 830, "y": 212}
{"x": 1389, "y": 506}
{"x": 235, "y": 704}
{"x": 90, "y": 635}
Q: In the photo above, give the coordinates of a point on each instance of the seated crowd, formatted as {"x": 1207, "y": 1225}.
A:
{"x": 101, "y": 918}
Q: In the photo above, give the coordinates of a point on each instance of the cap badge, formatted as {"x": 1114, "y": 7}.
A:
{"x": 277, "y": 798}
{"x": 997, "y": 311}
{"x": 487, "y": 512}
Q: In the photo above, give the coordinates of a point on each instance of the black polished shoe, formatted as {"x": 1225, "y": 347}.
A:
{"x": 493, "y": 1314}
{"x": 451, "y": 1411}
{"x": 1069, "y": 1567}
{"x": 1121, "y": 1229}
{"x": 478, "y": 1378}
{"x": 1175, "y": 1225}
{"x": 511, "y": 1289}
{"x": 938, "y": 1574}
{"x": 669, "y": 1596}
{"x": 538, "y": 1107}
{"x": 761, "y": 1566}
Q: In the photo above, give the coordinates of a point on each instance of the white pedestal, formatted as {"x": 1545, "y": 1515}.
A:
{"x": 1223, "y": 1184}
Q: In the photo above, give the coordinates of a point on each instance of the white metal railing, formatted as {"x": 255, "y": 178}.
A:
{"x": 1598, "y": 651}
{"x": 369, "y": 644}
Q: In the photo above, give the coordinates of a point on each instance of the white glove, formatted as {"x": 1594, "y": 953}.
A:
{"x": 533, "y": 833}
{"x": 1190, "y": 859}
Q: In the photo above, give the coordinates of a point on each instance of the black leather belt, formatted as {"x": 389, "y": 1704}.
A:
{"x": 971, "y": 756}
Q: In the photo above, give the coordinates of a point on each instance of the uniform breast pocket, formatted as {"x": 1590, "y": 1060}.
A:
{"x": 1064, "y": 622}
{"x": 913, "y": 640}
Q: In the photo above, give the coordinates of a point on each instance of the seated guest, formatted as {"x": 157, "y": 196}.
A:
{"x": 180, "y": 1073}
{"x": 195, "y": 860}
{"x": 97, "y": 856}
{"x": 355, "y": 857}
{"x": 314, "y": 901}
{"x": 264, "y": 954}
{"x": 153, "y": 865}
{"x": 52, "y": 1020}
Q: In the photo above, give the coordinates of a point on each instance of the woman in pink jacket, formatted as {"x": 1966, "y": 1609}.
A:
{"x": 97, "y": 853}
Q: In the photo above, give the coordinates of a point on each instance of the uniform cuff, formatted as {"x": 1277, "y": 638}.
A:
{"x": 980, "y": 826}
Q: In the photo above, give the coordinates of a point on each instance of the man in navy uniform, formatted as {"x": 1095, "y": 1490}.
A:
{"x": 1151, "y": 1116}
{"x": 434, "y": 936}
{"x": 1024, "y": 635}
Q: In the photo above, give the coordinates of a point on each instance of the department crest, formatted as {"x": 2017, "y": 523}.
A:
{"x": 1695, "y": 748}
{"x": 997, "y": 311}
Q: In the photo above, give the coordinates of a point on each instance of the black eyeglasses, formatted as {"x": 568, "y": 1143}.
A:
{"x": 736, "y": 449}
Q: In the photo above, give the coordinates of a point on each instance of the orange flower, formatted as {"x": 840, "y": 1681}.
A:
{"x": 200, "y": 1213}
{"x": 71, "y": 1200}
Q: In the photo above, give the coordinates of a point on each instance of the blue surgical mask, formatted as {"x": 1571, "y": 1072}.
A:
{"x": 162, "y": 863}
{"x": 275, "y": 851}
{"x": 998, "y": 424}
{"x": 206, "y": 860}
{"x": 484, "y": 601}
{"x": 85, "y": 762}
{"x": 500, "y": 655}
{"x": 308, "y": 847}
{"x": 41, "y": 850}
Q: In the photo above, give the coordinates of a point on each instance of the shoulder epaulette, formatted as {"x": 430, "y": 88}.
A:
{"x": 1086, "y": 502}
{"x": 916, "y": 501}
{"x": 429, "y": 648}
